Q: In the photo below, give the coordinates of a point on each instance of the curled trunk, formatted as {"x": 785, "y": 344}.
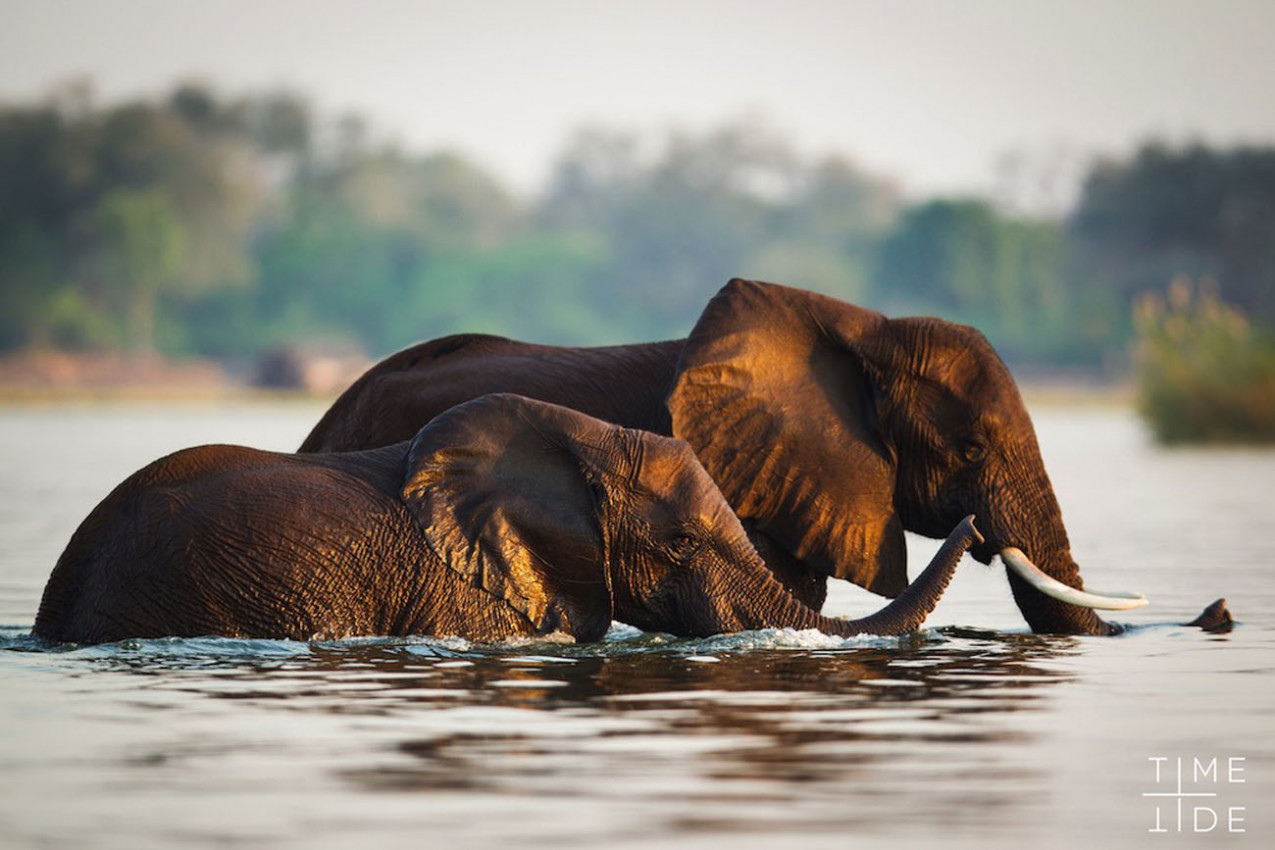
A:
{"x": 772, "y": 607}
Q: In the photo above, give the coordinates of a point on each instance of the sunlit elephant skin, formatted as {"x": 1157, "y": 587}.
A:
{"x": 502, "y": 517}
{"x": 829, "y": 428}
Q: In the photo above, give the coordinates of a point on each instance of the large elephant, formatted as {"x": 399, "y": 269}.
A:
{"x": 829, "y": 428}
{"x": 502, "y": 517}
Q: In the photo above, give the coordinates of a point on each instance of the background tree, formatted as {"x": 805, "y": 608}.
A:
{"x": 675, "y": 218}
{"x": 80, "y": 186}
{"x": 963, "y": 260}
{"x": 1190, "y": 211}
{"x": 198, "y": 223}
{"x": 137, "y": 249}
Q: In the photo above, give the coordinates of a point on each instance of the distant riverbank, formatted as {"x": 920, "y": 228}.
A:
{"x": 53, "y": 376}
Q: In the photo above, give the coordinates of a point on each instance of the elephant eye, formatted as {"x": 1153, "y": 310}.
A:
{"x": 972, "y": 450}
{"x": 684, "y": 544}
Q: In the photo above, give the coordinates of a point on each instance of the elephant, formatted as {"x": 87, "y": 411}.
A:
{"x": 501, "y": 517}
{"x": 829, "y": 428}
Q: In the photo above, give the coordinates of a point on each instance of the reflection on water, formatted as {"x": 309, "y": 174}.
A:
{"x": 959, "y": 737}
{"x": 758, "y": 733}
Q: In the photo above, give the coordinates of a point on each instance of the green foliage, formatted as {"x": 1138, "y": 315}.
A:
{"x": 138, "y": 249}
{"x": 534, "y": 287}
{"x": 101, "y": 211}
{"x": 227, "y": 226}
{"x": 1192, "y": 211}
{"x": 1204, "y": 372}
{"x": 965, "y": 261}
{"x": 676, "y": 221}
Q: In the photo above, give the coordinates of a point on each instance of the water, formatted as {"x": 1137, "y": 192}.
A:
{"x": 974, "y": 733}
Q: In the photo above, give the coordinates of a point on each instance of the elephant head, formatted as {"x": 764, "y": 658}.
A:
{"x": 575, "y": 522}
{"x": 834, "y": 429}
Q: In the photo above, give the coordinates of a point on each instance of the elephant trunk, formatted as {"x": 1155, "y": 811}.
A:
{"x": 1024, "y": 525}
{"x": 1041, "y": 593}
{"x": 1054, "y": 606}
{"x": 906, "y": 613}
{"x": 1051, "y": 606}
{"x": 909, "y": 609}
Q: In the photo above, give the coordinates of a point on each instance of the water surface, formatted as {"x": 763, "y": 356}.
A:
{"x": 973, "y": 733}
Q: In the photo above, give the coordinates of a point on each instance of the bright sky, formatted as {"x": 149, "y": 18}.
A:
{"x": 932, "y": 94}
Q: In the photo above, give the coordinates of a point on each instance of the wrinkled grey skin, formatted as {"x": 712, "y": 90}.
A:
{"x": 830, "y": 430}
{"x": 502, "y": 517}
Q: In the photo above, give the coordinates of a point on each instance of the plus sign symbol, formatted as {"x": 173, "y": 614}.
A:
{"x": 1189, "y": 794}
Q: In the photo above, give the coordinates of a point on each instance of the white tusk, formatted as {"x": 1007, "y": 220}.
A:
{"x": 1017, "y": 561}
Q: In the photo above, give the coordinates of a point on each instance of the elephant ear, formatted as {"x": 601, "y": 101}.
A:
{"x": 777, "y": 395}
{"x": 500, "y": 496}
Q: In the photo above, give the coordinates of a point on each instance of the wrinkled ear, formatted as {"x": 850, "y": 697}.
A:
{"x": 776, "y": 394}
{"x": 498, "y": 492}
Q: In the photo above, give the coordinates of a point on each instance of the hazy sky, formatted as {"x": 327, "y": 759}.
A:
{"x": 929, "y": 93}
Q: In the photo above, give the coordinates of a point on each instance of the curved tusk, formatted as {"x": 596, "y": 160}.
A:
{"x": 1017, "y": 561}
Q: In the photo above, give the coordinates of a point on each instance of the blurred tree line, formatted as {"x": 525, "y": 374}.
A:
{"x": 220, "y": 226}
{"x": 1205, "y": 373}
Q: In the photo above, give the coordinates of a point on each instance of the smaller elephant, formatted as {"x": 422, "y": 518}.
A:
{"x": 503, "y": 517}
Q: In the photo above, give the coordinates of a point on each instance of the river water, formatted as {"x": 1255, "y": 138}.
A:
{"x": 973, "y": 733}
